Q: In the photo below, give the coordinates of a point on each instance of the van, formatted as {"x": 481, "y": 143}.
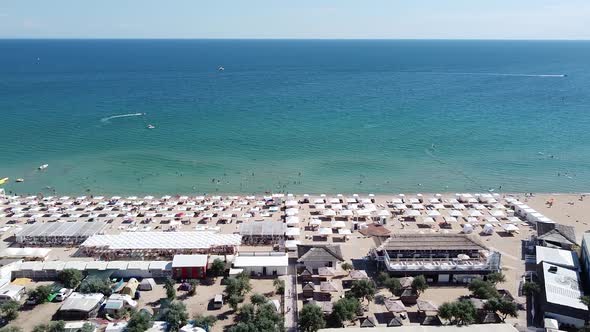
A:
{"x": 63, "y": 294}
{"x": 218, "y": 301}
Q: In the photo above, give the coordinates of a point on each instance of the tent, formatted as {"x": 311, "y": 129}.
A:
{"x": 467, "y": 228}
{"x": 488, "y": 229}
{"x": 130, "y": 287}
{"x": 147, "y": 284}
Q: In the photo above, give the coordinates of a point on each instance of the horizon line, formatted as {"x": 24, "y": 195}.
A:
{"x": 292, "y": 38}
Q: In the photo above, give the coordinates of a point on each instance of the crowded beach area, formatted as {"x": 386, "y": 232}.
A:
{"x": 318, "y": 245}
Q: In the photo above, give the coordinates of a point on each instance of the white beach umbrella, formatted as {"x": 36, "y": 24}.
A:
{"x": 474, "y": 213}
{"x": 427, "y": 220}
{"x": 338, "y": 224}
{"x": 450, "y": 219}
{"x": 291, "y": 212}
{"x": 336, "y": 206}
{"x": 318, "y": 201}
{"x": 491, "y": 219}
{"x": 472, "y": 220}
{"x": 412, "y": 213}
{"x": 363, "y": 213}
{"x": 291, "y": 203}
{"x": 329, "y": 213}
{"x": 334, "y": 201}
{"x": 384, "y": 213}
{"x": 293, "y": 231}
{"x": 292, "y": 220}
{"x": 346, "y": 213}
{"x": 510, "y": 228}
{"x": 455, "y": 213}
{"x": 433, "y": 213}
{"x": 401, "y": 207}
{"x": 315, "y": 222}
{"x": 344, "y": 231}
{"x": 418, "y": 207}
{"x": 397, "y": 201}
{"x": 498, "y": 213}
{"x": 324, "y": 231}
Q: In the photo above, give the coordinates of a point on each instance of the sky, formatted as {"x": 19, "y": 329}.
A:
{"x": 304, "y": 19}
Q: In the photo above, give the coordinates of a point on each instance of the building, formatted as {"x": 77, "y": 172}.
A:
{"x": 425, "y": 328}
{"x": 58, "y": 233}
{"x": 314, "y": 256}
{"x": 157, "y": 245}
{"x": 559, "y": 257}
{"x": 560, "y": 295}
{"x": 585, "y": 259}
{"x": 189, "y": 266}
{"x": 556, "y": 236}
{"x": 11, "y": 293}
{"x": 28, "y": 254}
{"x": 455, "y": 258}
{"x": 262, "y": 232}
{"x": 118, "y": 304}
{"x": 262, "y": 263}
{"x": 80, "y": 306}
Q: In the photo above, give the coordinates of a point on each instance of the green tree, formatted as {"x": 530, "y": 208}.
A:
{"x": 11, "y": 329}
{"x": 41, "y": 293}
{"x": 170, "y": 290}
{"x": 175, "y": 315}
{"x": 234, "y": 300}
{"x": 344, "y": 310}
{"x": 311, "y": 318}
{"x": 70, "y": 278}
{"x": 247, "y": 313}
{"x": 483, "y": 289}
{"x": 139, "y": 322}
{"x": 88, "y": 327}
{"x": 217, "y": 267}
{"x": 503, "y": 307}
{"x": 193, "y": 290}
{"x": 261, "y": 318}
{"x": 239, "y": 285}
{"x": 382, "y": 278}
{"x": 346, "y": 266}
{"x": 205, "y": 322}
{"x": 363, "y": 289}
{"x": 96, "y": 285}
{"x": 419, "y": 284}
{"x": 258, "y": 299}
{"x": 458, "y": 313}
{"x": 279, "y": 285}
{"x": 9, "y": 310}
{"x": 530, "y": 288}
{"x": 58, "y": 326}
{"x": 393, "y": 285}
{"x": 496, "y": 277}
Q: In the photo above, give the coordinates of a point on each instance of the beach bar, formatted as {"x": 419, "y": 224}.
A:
{"x": 58, "y": 233}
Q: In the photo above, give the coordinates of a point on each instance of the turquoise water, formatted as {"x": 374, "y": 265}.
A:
{"x": 296, "y": 116}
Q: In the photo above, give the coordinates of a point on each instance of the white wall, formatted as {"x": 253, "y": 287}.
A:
{"x": 565, "y": 319}
{"x": 281, "y": 270}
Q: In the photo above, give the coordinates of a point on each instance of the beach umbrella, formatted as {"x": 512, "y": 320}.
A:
{"x": 401, "y": 206}
{"x": 329, "y": 213}
{"x": 458, "y": 206}
{"x": 338, "y": 224}
{"x": 450, "y": 219}
{"x": 467, "y": 228}
{"x": 323, "y": 195}
{"x": 514, "y": 220}
{"x": 475, "y": 213}
{"x": 346, "y": 213}
{"x": 165, "y": 197}
{"x": 291, "y": 203}
{"x": 337, "y": 206}
{"x": 418, "y": 206}
{"x": 318, "y": 201}
{"x": 491, "y": 219}
{"x": 315, "y": 222}
{"x": 412, "y": 213}
{"x": 455, "y": 213}
{"x": 498, "y": 213}
{"x": 433, "y": 213}
{"x": 292, "y": 220}
{"x": 434, "y": 201}
{"x": 384, "y": 213}
{"x": 363, "y": 213}
{"x": 334, "y": 201}
{"x": 427, "y": 220}
{"x": 319, "y": 206}
{"x": 292, "y": 231}
{"x": 510, "y": 228}
{"x": 291, "y": 212}
{"x": 325, "y": 231}
{"x": 472, "y": 220}
{"x": 344, "y": 231}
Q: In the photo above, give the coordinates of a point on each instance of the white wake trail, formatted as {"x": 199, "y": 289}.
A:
{"x": 107, "y": 119}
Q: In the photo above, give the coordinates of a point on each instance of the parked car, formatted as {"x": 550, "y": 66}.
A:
{"x": 63, "y": 294}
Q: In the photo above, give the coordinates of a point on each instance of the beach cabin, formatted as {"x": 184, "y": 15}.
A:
{"x": 189, "y": 266}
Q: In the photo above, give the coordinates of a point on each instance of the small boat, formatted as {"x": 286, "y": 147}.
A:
{"x": 20, "y": 180}
{"x": 221, "y": 68}
{"x": 150, "y": 126}
{"x": 42, "y": 167}
{"x": 3, "y": 181}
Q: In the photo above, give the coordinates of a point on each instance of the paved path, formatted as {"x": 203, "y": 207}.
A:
{"x": 290, "y": 303}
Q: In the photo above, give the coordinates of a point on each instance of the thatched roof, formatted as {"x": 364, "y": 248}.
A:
{"x": 369, "y": 322}
{"x": 326, "y": 272}
{"x": 319, "y": 253}
{"x": 406, "y": 282}
{"x": 394, "y": 305}
{"x": 375, "y": 230}
{"x": 395, "y": 321}
{"x": 432, "y": 321}
{"x": 433, "y": 242}
{"x": 358, "y": 275}
{"x": 424, "y": 305}
{"x": 328, "y": 286}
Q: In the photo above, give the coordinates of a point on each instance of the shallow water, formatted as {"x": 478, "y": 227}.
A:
{"x": 297, "y": 116}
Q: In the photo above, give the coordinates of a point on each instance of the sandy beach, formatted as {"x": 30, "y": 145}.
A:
{"x": 224, "y": 214}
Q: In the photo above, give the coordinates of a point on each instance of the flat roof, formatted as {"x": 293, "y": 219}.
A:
{"x": 81, "y": 302}
{"x": 259, "y": 260}
{"x": 562, "y": 287}
{"x": 162, "y": 240}
{"x": 426, "y": 328}
{"x": 25, "y": 252}
{"x": 62, "y": 229}
{"x": 432, "y": 242}
{"x": 560, "y": 257}
{"x": 189, "y": 261}
{"x": 262, "y": 228}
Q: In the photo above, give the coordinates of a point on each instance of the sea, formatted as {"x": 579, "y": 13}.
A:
{"x": 296, "y": 116}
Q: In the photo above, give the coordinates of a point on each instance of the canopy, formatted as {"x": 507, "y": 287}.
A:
{"x": 510, "y": 228}
{"x": 325, "y": 231}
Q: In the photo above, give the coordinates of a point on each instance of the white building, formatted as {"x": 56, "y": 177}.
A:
{"x": 262, "y": 263}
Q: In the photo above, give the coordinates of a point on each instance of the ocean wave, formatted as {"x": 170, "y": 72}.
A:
{"x": 107, "y": 119}
{"x": 497, "y": 74}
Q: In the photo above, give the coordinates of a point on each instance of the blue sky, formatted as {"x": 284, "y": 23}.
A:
{"x": 430, "y": 19}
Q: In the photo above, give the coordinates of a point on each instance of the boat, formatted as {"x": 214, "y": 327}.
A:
{"x": 20, "y": 180}
{"x": 150, "y": 126}
{"x": 221, "y": 68}
{"x": 42, "y": 167}
{"x": 3, "y": 181}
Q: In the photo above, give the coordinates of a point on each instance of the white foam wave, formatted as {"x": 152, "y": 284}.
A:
{"x": 107, "y": 119}
{"x": 500, "y": 74}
